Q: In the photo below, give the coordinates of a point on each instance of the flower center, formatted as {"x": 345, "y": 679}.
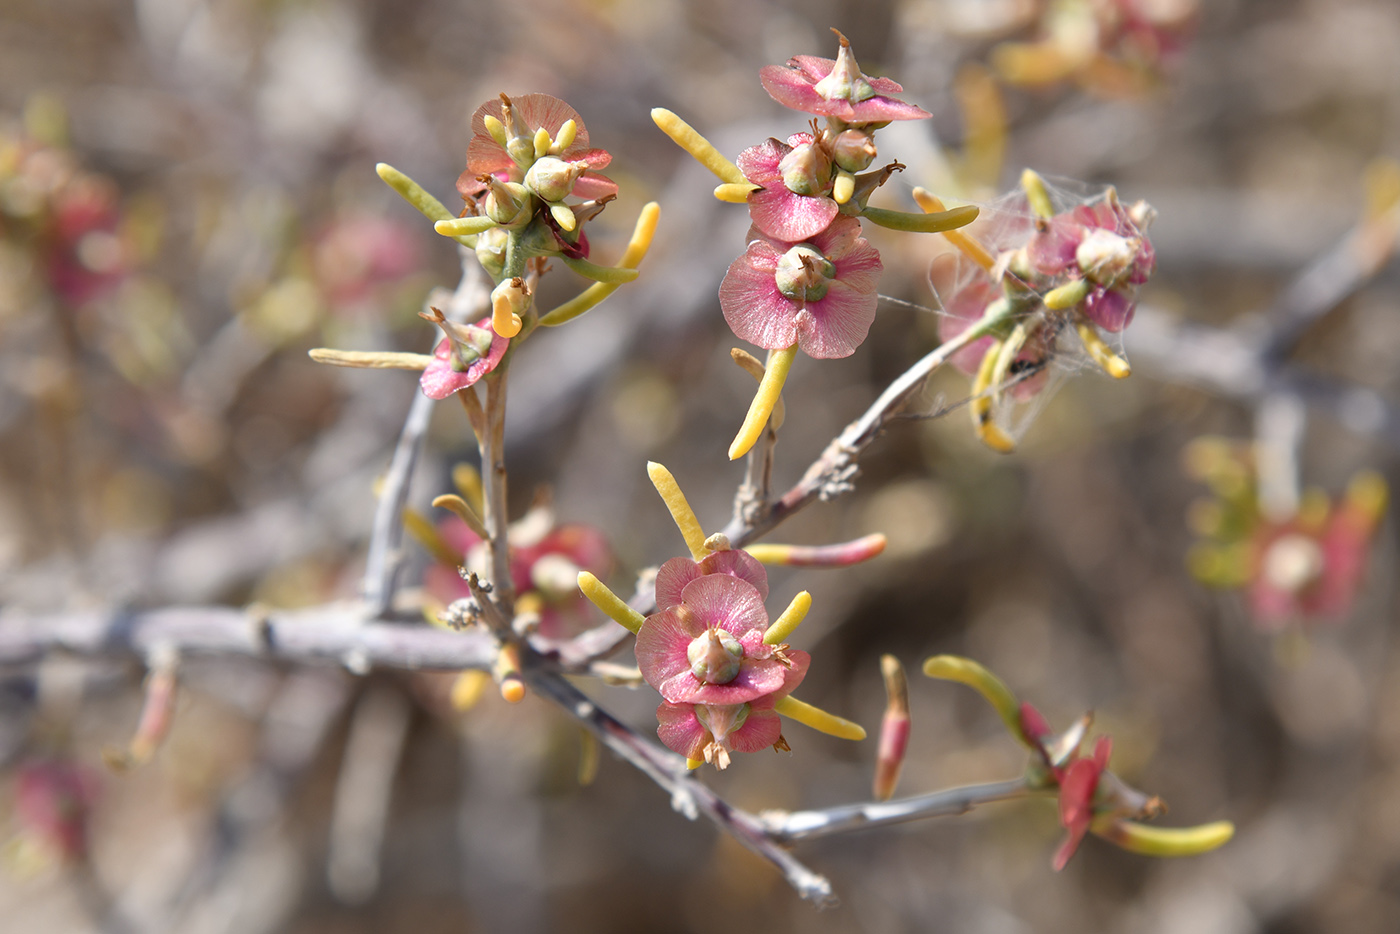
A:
{"x": 722, "y": 720}
{"x": 1293, "y": 562}
{"x": 804, "y": 274}
{"x": 714, "y": 656}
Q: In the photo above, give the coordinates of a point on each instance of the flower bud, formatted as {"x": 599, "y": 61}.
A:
{"x": 853, "y": 150}
{"x": 804, "y": 274}
{"x": 509, "y": 204}
{"x": 491, "y": 250}
{"x": 806, "y": 170}
{"x": 552, "y": 179}
{"x": 846, "y": 82}
{"x": 714, "y": 656}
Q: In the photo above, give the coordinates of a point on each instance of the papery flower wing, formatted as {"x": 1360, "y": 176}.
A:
{"x": 680, "y": 730}
{"x": 593, "y": 186}
{"x": 752, "y": 305}
{"x": 545, "y": 110}
{"x": 738, "y": 563}
{"x": 786, "y": 215}
{"x": 761, "y": 730}
{"x": 725, "y": 602}
{"x": 672, "y": 577}
{"x": 661, "y": 649}
{"x": 440, "y": 380}
{"x": 756, "y": 678}
{"x": 1110, "y": 309}
{"x": 835, "y": 326}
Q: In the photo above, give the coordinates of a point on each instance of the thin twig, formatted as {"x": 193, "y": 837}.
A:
{"x": 493, "y": 469}
{"x": 790, "y": 826}
{"x": 386, "y": 536}
{"x": 335, "y": 633}
{"x": 831, "y": 474}
{"x": 688, "y": 795}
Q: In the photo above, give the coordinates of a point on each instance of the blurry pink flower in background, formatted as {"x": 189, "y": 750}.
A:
{"x": 53, "y": 801}
{"x": 544, "y": 563}
{"x": 354, "y": 253}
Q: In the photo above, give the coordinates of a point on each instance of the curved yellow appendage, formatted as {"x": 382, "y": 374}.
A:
{"x": 1067, "y": 295}
{"x": 970, "y": 246}
{"x": 1037, "y": 194}
{"x": 694, "y": 764}
{"x": 564, "y": 138}
{"x": 840, "y": 555}
{"x": 701, "y": 149}
{"x": 1112, "y": 364}
{"x": 563, "y": 216}
{"x": 844, "y": 187}
{"x": 819, "y": 719}
{"x": 732, "y": 193}
{"x": 506, "y": 671}
{"x": 770, "y": 388}
{"x": 413, "y": 193}
{"x": 426, "y": 534}
{"x": 1167, "y": 841}
{"x": 610, "y": 603}
{"x": 467, "y": 689}
{"x": 679, "y": 506}
{"x": 1005, "y": 357}
{"x": 504, "y": 320}
{"x": 542, "y": 143}
{"x": 456, "y": 227}
{"x": 462, "y": 510}
{"x": 784, "y": 625}
{"x": 632, "y": 258}
{"x": 754, "y": 367}
{"x": 939, "y": 222}
{"x": 467, "y": 479}
{"x": 966, "y": 671}
{"x": 981, "y": 404}
{"x": 371, "y": 359}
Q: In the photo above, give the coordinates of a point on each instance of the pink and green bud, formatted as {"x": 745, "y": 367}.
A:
{"x": 894, "y": 729}
{"x": 853, "y": 150}
{"x": 804, "y": 274}
{"x": 491, "y": 251}
{"x": 806, "y": 170}
{"x": 553, "y": 179}
{"x": 714, "y": 657}
{"x": 509, "y": 204}
{"x": 836, "y": 89}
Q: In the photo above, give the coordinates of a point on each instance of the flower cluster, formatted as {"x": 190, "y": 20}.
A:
{"x": 1091, "y": 799}
{"x": 808, "y": 279}
{"x": 527, "y": 156}
{"x": 1111, "y": 47}
{"x": 545, "y": 561}
{"x": 68, "y": 217}
{"x": 704, "y": 651}
{"x": 1294, "y": 570}
{"x": 1040, "y": 272}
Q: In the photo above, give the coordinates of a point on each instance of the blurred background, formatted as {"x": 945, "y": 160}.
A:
{"x": 188, "y": 203}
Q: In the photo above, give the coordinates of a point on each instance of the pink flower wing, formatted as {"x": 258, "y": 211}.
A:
{"x": 835, "y": 326}
{"x": 738, "y": 563}
{"x": 761, "y": 730}
{"x": 727, "y": 602}
{"x": 752, "y": 305}
{"x": 786, "y": 215}
{"x": 1110, "y": 309}
{"x": 661, "y": 650}
{"x": 680, "y": 730}
{"x": 672, "y": 578}
{"x": 756, "y": 678}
